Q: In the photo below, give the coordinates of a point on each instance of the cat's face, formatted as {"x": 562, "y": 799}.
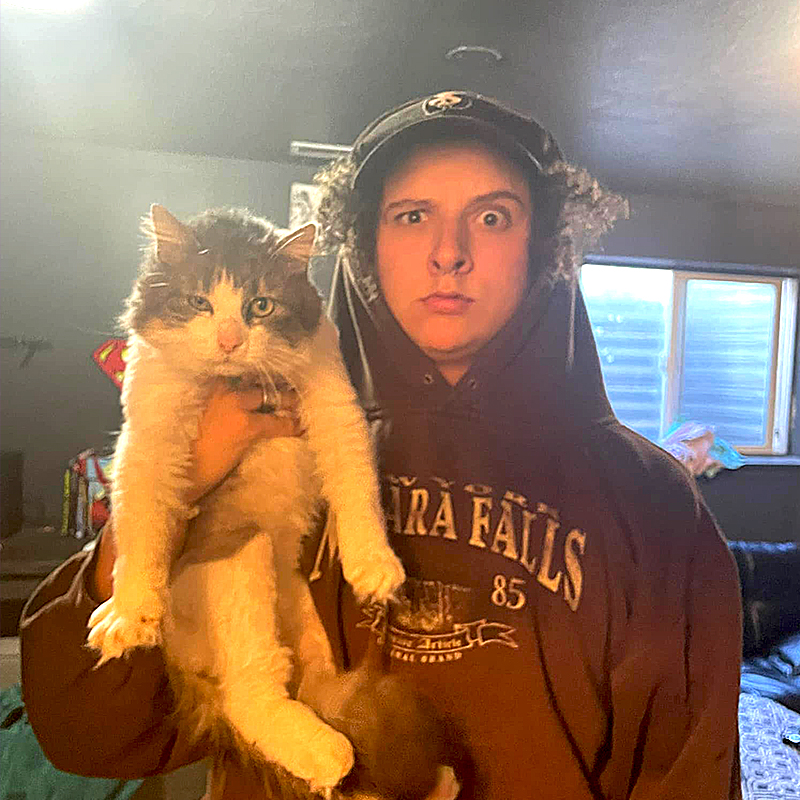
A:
{"x": 225, "y": 296}
{"x": 228, "y": 329}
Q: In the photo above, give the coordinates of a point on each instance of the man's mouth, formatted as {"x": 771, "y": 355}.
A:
{"x": 447, "y": 302}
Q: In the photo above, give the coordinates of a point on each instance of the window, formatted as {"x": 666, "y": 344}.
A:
{"x": 711, "y": 344}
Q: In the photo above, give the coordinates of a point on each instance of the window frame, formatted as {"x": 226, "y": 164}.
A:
{"x": 781, "y": 441}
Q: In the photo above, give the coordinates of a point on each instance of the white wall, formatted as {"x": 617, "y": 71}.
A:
{"x": 702, "y": 229}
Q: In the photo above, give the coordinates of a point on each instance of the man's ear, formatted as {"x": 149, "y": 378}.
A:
{"x": 174, "y": 240}
{"x": 298, "y": 245}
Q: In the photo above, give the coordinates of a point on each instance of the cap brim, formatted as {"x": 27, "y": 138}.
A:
{"x": 434, "y": 129}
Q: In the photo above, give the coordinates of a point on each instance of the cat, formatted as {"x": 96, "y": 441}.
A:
{"x": 217, "y": 585}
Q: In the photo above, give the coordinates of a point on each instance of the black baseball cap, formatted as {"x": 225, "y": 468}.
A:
{"x": 447, "y": 113}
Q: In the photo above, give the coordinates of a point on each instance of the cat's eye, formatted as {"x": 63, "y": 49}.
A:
{"x": 260, "y": 307}
{"x": 199, "y": 303}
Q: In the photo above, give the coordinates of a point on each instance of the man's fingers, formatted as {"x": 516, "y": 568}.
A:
{"x": 263, "y": 422}
{"x": 235, "y": 418}
{"x": 252, "y": 399}
{"x": 272, "y": 426}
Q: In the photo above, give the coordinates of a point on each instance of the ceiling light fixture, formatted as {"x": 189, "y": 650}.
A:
{"x": 318, "y": 150}
{"x": 474, "y": 52}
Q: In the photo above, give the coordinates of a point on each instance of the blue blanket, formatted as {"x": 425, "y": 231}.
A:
{"x": 25, "y": 772}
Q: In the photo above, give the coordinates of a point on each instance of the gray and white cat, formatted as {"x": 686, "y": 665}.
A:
{"x": 226, "y": 296}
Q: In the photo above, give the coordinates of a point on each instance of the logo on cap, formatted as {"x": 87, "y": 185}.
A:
{"x": 446, "y": 101}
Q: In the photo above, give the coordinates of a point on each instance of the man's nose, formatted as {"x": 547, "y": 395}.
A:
{"x": 450, "y": 252}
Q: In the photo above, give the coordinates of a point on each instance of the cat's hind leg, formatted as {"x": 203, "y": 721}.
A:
{"x": 223, "y": 624}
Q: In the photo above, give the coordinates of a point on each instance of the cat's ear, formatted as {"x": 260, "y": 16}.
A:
{"x": 298, "y": 245}
{"x": 174, "y": 240}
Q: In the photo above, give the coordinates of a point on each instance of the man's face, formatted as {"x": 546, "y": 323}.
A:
{"x": 452, "y": 249}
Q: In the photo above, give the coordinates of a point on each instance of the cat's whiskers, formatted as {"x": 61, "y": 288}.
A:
{"x": 269, "y": 382}
{"x": 279, "y": 362}
{"x": 274, "y": 383}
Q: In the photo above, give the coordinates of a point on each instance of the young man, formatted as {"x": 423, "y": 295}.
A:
{"x": 570, "y": 606}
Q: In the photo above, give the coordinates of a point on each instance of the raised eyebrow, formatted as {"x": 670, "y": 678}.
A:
{"x": 500, "y": 194}
{"x": 404, "y": 202}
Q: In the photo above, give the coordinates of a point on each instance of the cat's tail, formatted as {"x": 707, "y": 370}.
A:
{"x": 400, "y": 741}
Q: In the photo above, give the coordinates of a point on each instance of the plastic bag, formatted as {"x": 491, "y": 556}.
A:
{"x": 699, "y": 449}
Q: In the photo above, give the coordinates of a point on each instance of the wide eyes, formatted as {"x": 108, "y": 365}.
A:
{"x": 494, "y": 219}
{"x": 497, "y": 218}
{"x": 199, "y": 303}
{"x": 413, "y": 217}
{"x": 260, "y": 307}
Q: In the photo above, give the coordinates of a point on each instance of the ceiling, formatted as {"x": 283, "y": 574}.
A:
{"x": 689, "y": 96}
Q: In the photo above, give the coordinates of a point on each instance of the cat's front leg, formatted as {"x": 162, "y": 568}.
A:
{"x": 339, "y": 437}
{"x": 369, "y": 564}
{"x": 149, "y": 520}
{"x": 130, "y": 618}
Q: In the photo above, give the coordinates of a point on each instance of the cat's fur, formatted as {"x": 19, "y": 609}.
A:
{"x": 226, "y": 296}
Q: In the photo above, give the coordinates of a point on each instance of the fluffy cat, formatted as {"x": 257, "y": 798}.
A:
{"x": 226, "y": 296}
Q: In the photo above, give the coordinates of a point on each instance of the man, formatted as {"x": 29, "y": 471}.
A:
{"x": 570, "y": 603}
{"x": 570, "y": 606}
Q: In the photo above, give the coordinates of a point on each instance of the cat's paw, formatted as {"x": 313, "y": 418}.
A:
{"x": 326, "y": 758}
{"x": 114, "y": 630}
{"x": 376, "y": 575}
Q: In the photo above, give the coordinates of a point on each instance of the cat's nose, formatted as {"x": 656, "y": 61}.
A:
{"x": 229, "y": 336}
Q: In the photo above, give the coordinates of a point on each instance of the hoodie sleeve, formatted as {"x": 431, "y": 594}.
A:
{"x": 113, "y": 721}
{"x": 680, "y": 725}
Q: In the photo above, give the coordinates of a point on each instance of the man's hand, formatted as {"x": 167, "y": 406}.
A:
{"x": 231, "y": 423}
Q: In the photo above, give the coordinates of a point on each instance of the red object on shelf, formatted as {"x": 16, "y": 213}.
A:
{"x": 111, "y": 357}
